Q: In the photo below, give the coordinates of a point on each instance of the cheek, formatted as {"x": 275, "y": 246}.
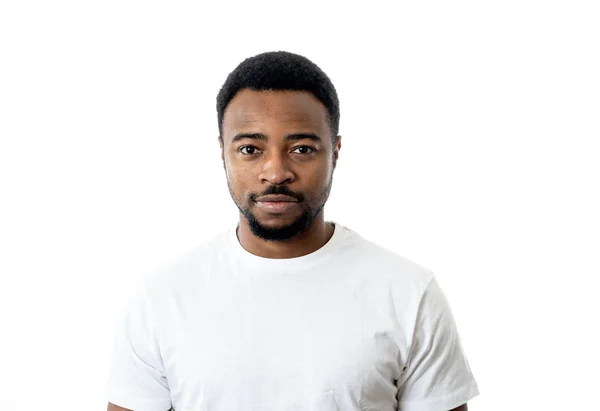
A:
{"x": 322, "y": 175}
{"x": 238, "y": 182}
{"x": 234, "y": 174}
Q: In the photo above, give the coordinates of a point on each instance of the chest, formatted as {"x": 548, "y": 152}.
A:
{"x": 281, "y": 347}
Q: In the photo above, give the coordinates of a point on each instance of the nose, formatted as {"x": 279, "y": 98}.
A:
{"x": 276, "y": 170}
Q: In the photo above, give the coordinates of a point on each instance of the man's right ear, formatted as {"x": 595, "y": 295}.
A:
{"x": 221, "y": 145}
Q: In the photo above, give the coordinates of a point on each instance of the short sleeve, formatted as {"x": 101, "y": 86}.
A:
{"x": 137, "y": 379}
{"x": 438, "y": 376}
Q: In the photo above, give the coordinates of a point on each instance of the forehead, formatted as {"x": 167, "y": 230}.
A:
{"x": 252, "y": 110}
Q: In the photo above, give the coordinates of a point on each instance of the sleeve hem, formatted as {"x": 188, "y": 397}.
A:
{"x": 139, "y": 404}
{"x": 449, "y": 402}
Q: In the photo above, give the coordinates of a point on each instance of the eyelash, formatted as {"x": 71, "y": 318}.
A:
{"x": 314, "y": 150}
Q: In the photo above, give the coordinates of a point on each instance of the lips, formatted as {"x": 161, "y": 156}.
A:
{"x": 276, "y": 198}
{"x": 276, "y": 207}
{"x": 276, "y": 204}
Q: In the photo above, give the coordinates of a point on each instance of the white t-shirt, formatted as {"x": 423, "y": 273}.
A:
{"x": 351, "y": 326}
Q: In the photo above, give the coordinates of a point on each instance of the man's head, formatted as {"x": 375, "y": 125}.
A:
{"x": 278, "y": 119}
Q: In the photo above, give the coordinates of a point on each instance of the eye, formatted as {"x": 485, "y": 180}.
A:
{"x": 247, "y": 147}
{"x": 306, "y": 147}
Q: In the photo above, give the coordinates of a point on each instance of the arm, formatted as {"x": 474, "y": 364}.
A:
{"x": 137, "y": 379}
{"x": 438, "y": 375}
{"x": 113, "y": 407}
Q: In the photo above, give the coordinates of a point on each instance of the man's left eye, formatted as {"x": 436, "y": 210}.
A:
{"x": 312, "y": 150}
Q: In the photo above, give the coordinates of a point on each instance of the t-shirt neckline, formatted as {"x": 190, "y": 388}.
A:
{"x": 288, "y": 264}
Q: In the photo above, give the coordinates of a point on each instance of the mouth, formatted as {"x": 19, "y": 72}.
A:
{"x": 276, "y": 206}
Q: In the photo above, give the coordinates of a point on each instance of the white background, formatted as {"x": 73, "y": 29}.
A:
{"x": 470, "y": 146}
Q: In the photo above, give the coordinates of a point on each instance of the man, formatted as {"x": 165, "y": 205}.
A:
{"x": 286, "y": 311}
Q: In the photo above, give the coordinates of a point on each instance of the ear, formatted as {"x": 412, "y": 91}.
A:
{"x": 336, "y": 151}
{"x": 221, "y": 145}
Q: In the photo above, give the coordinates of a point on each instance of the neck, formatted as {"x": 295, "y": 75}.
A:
{"x": 318, "y": 234}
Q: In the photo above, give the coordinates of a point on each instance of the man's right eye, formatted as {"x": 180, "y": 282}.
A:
{"x": 247, "y": 147}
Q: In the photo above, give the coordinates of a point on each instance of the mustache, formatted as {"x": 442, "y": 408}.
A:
{"x": 279, "y": 191}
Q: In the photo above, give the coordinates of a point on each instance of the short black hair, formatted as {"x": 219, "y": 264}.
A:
{"x": 281, "y": 70}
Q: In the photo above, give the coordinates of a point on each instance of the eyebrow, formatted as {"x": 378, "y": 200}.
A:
{"x": 289, "y": 137}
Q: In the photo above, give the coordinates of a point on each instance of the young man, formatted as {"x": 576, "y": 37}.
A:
{"x": 286, "y": 311}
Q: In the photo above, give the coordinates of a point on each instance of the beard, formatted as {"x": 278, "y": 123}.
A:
{"x": 289, "y": 231}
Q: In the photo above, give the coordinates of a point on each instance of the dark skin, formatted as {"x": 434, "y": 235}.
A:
{"x": 271, "y": 156}
{"x": 279, "y": 142}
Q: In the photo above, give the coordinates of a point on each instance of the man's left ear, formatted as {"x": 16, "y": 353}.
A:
{"x": 336, "y": 151}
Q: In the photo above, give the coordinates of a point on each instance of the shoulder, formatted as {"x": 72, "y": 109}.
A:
{"x": 384, "y": 264}
{"x": 181, "y": 270}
